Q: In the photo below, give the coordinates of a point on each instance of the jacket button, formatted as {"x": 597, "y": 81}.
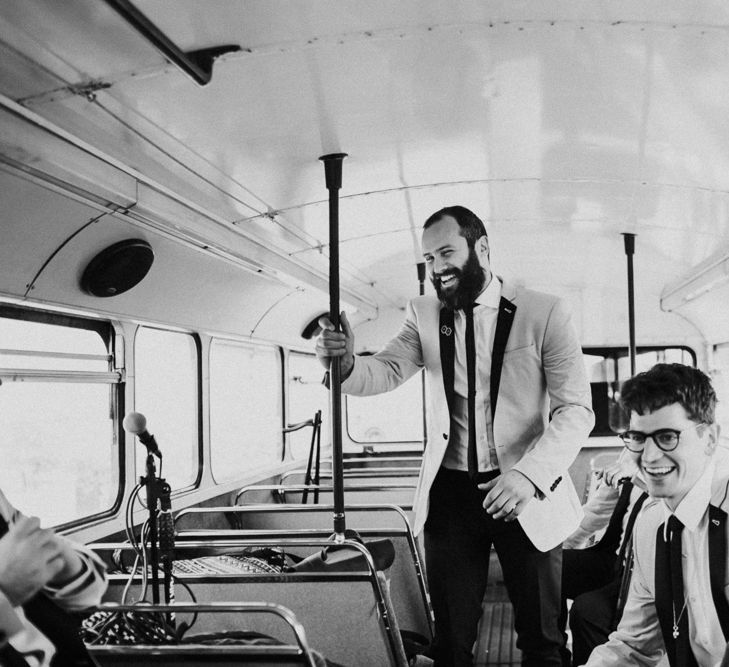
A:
{"x": 445, "y": 436}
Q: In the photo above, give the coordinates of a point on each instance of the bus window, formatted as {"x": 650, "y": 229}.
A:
{"x": 58, "y": 400}
{"x": 306, "y": 395}
{"x": 166, "y": 393}
{"x": 393, "y": 417}
{"x": 245, "y": 408}
{"x": 608, "y": 367}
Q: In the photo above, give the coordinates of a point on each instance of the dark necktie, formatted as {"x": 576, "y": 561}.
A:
{"x": 471, "y": 375}
{"x": 673, "y": 611}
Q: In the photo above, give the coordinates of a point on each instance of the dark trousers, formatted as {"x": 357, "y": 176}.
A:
{"x": 590, "y": 580}
{"x": 458, "y": 538}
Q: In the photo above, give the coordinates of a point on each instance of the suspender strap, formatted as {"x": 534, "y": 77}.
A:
{"x": 503, "y": 327}
{"x": 718, "y": 564}
{"x": 627, "y": 541}
{"x": 611, "y": 538}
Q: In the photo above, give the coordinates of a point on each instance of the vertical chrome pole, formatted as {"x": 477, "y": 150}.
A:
{"x": 333, "y": 176}
{"x": 629, "y": 241}
{"x": 421, "y": 291}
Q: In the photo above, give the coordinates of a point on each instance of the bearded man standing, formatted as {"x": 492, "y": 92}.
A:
{"x": 510, "y": 407}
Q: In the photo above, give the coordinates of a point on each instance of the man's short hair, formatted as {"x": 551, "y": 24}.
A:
{"x": 666, "y": 384}
{"x": 471, "y": 226}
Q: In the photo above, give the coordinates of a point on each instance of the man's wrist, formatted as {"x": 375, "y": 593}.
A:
{"x": 347, "y": 372}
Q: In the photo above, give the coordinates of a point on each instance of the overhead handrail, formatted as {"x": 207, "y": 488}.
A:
{"x": 198, "y": 65}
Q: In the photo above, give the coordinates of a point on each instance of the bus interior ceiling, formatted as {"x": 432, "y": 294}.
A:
{"x": 563, "y": 125}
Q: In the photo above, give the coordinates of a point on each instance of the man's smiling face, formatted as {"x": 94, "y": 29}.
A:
{"x": 458, "y": 273}
{"x": 670, "y": 475}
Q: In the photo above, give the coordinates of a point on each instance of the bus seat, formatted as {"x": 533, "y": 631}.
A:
{"x": 408, "y": 587}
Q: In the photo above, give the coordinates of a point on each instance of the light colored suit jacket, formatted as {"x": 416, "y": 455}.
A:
{"x": 543, "y": 412}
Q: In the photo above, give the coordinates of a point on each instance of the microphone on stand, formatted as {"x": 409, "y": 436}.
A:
{"x": 136, "y": 423}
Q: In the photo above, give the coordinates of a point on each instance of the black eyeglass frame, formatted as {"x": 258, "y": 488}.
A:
{"x": 654, "y": 436}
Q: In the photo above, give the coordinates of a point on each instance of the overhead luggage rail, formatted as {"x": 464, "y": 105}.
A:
{"x": 200, "y": 653}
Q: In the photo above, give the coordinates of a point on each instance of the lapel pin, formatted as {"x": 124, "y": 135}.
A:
{"x": 446, "y": 330}
{"x": 715, "y": 522}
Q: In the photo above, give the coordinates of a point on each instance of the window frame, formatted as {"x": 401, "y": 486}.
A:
{"x": 197, "y": 480}
{"x": 110, "y": 336}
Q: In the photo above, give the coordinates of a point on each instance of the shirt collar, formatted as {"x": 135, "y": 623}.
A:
{"x": 692, "y": 508}
{"x": 491, "y": 295}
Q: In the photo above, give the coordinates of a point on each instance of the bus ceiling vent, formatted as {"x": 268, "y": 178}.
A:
{"x": 117, "y": 268}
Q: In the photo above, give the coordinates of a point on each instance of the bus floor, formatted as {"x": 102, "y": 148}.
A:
{"x": 496, "y": 643}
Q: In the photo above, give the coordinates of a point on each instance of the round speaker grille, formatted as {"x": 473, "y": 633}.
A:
{"x": 118, "y": 268}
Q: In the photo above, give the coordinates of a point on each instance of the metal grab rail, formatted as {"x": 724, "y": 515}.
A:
{"x": 215, "y": 607}
{"x": 282, "y": 489}
{"x": 196, "y": 547}
{"x": 353, "y": 508}
{"x": 359, "y": 473}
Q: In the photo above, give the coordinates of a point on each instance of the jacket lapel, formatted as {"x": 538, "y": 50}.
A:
{"x": 504, "y": 320}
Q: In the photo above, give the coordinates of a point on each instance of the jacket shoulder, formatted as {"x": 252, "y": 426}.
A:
{"x": 424, "y": 304}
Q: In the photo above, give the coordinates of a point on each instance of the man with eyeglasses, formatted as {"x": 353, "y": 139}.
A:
{"x": 677, "y": 603}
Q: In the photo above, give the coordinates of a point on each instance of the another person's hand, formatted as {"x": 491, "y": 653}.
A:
{"x": 30, "y": 558}
{"x": 331, "y": 343}
{"x": 624, "y": 468}
{"x": 507, "y": 495}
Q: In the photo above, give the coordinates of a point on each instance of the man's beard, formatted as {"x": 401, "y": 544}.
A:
{"x": 470, "y": 281}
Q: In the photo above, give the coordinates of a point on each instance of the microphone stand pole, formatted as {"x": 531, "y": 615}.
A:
{"x": 629, "y": 242}
{"x": 150, "y": 481}
{"x": 333, "y": 175}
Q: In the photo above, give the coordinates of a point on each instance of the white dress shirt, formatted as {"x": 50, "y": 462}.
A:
{"x": 485, "y": 314}
{"x": 707, "y": 639}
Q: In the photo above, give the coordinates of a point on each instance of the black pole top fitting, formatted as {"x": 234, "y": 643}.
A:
{"x": 333, "y": 169}
{"x": 629, "y": 241}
